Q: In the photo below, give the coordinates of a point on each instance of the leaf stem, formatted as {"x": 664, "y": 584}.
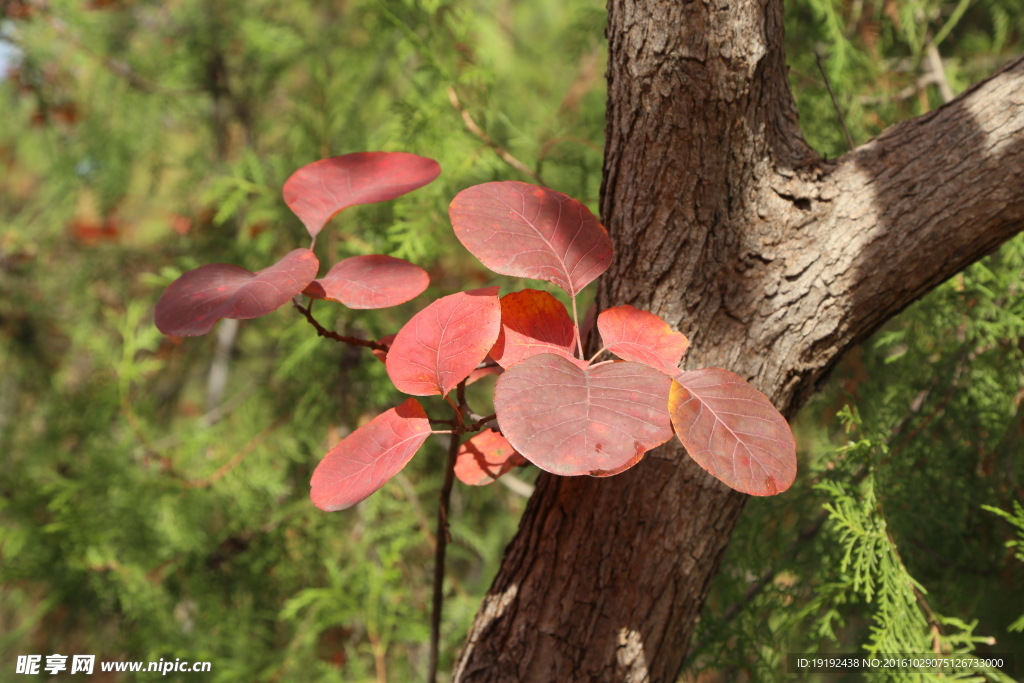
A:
{"x": 599, "y": 352}
{"x": 443, "y": 538}
{"x": 576, "y": 328}
{"x": 460, "y": 423}
{"x": 324, "y": 332}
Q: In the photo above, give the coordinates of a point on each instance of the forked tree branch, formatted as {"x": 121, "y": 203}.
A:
{"x": 872, "y": 232}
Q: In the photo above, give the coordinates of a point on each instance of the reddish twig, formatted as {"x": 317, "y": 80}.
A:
{"x": 324, "y": 332}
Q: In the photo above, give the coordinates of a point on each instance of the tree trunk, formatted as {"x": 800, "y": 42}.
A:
{"x": 773, "y": 262}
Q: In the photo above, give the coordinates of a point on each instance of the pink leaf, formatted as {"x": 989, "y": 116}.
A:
{"x": 375, "y": 281}
{"x": 367, "y": 458}
{"x": 524, "y": 230}
{"x": 442, "y": 344}
{"x": 194, "y": 302}
{"x": 321, "y": 189}
{"x": 632, "y": 334}
{"x": 570, "y": 421}
{"x": 532, "y": 322}
{"x": 484, "y": 458}
{"x": 733, "y": 431}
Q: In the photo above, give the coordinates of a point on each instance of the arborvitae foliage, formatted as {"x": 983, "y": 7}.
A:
{"x": 148, "y": 509}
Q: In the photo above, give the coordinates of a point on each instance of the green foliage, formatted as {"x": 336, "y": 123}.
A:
{"x": 1017, "y": 520}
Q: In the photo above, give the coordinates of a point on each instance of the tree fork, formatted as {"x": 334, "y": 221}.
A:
{"x": 773, "y": 262}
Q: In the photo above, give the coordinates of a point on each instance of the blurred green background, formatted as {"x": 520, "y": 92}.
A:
{"x": 154, "y": 491}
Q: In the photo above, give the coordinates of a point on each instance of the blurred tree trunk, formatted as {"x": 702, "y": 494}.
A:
{"x": 773, "y": 261}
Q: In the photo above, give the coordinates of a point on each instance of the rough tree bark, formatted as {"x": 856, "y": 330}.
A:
{"x": 773, "y": 261}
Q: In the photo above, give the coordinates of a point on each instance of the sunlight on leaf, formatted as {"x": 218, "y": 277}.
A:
{"x": 733, "y": 431}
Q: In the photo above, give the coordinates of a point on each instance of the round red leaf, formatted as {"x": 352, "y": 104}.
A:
{"x": 632, "y": 334}
{"x": 367, "y": 458}
{"x": 484, "y": 458}
{"x": 374, "y": 281}
{"x": 321, "y": 189}
{"x": 194, "y": 302}
{"x": 733, "y": 431}
{"x": 570, "y": 421}
{"x": 442, "y": 344}
{"x": 532, "y": 322}
{"x": 525, "y": 230}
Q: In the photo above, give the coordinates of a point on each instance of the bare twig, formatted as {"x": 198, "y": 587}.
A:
{"x": 842, "y": 121}
{"x": 478, "y": 424}
{"x": 517, "y": 486}
{"x": 486, "y": 139}
{"x": 220, "y": 367}
{"x": 938, "y": 73}
{"x": 324, "y": 332}
{"x": 443, "y": 538}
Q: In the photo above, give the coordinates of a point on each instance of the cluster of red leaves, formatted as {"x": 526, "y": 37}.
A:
{"x": 563, "y": 413}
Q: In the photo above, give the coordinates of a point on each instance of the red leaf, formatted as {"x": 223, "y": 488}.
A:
{"x": 382, "y": 356}
{"x": 483, "y": 372}
{"x": 524, "y": 230}
{"x": 321, "y": 189}
{"x": 375, "y": 281}
{"x": 442, "y": 344}
{"x": 733, "y": 431}
{"x": 570, "y": 421}
{"x": 632, "y": 334}
{"x": 484, "y": 458}
{"x": 199, "y": 298}
{"x": 367, "y": 458}
{"x": 532, "y": 322}
{"x": 477, "y": 374}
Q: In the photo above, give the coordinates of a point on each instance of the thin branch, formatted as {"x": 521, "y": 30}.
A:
{"x": 443, "y": 539}
{"x": 842, "y": 121}
{"x": 324, "y": 332}
{"x": 517, "y": 486}
{"x": 486, "y": 139}
{"x": 460, "y": 422}
{"x": 478, "y": 425}
{"x": 938, "y": 73}
{"x": 903, "y": 94}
